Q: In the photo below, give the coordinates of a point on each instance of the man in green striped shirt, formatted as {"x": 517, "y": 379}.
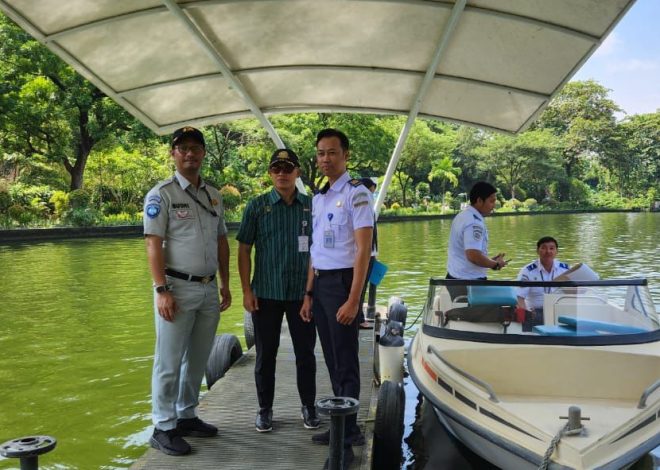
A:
{"x": 278, "y": 224}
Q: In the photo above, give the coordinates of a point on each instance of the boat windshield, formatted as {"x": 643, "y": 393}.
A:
{"x": 607, "y": 308}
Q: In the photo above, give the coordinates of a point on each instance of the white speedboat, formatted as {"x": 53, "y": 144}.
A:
{"x": 502, "y": 380}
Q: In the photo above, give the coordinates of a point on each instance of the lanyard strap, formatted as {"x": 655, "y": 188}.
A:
{"x": 547, "y": 290}
{"x": 194, "y": 198}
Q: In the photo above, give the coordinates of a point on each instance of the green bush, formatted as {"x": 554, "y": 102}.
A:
{"x": 123, "y": 218}
{"x": 81, "y": 217}
{"x": 60, "y": 202}
{"x": 23, "y": 194}
{"x": 39, "y": 208}
{"x": 530, "y": 204}
{"x": 395, "y": 206}
{"x": 231, "y": 196}
{"x": 5, "y": 200}
{"x": 512, "y": 204}
{"x": 79, "y": 198}
{"x": 23, "y": 215}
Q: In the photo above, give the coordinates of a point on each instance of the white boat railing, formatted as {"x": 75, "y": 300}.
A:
{"x": 646, "y": 393}
{"x": 491, "y": 392}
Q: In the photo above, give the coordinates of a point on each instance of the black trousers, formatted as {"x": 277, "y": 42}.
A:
{"x": 339, "y": 342}
{"x": 267, "y": 323}
{"x": 459, "y": 291}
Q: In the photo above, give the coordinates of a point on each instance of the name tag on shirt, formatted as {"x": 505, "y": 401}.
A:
{"x": 328, "y": 239}
{"x": 303, "y": 243}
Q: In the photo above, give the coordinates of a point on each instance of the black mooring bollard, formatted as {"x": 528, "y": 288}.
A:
{"x": 338, "y": 408}
{"x": 28, "y": 449}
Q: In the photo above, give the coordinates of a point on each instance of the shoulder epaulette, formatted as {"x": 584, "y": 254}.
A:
{"x": 563, "y": 265}
{"x": 355, "y": 182}
{"x": 531, "y": 266}
{"x": 476, "y": 217}
{"x": 165, "y": 182}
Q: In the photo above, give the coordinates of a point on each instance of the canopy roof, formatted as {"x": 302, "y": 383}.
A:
{"x": 494, "y": 64}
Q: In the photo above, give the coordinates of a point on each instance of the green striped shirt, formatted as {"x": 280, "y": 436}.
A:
{"x": 280, "y": 270}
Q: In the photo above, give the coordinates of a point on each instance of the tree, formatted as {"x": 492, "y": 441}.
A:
{"x": 583, "y": 116}
{"x": 641, "y": 137}
{"x": 444, "y": 171}
{"x": 48, "y": 109}
{"x": 531, "y": 157}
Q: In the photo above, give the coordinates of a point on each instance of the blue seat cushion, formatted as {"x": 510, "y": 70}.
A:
{"x": 491, "y": 295}
{"x": 559, "y": 330}
{"x": 595, "y": 327}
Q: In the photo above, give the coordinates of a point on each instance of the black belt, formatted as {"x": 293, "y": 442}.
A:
{"x": 189, "y": 277}
{"x": 327, "y": 272}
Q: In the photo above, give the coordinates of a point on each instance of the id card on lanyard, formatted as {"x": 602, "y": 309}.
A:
{"x": 303, "y": 239}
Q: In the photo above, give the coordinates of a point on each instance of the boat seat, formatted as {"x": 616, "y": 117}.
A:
{"x": 491, "y": 295}
{"x": 596, "y": 327}
{"x": 559, "y": 330}
{"x": 571, "y": 326}
{"x": 479, "y": 314}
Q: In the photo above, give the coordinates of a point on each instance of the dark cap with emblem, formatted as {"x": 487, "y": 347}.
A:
{"x": 284, "y": 156}
{"x": 190, "y": 133}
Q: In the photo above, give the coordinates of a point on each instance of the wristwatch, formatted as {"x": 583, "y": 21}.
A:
{"x": 163, "y": 288}
{"x": 309, "y": 293}
{"x": 497, "y": 266}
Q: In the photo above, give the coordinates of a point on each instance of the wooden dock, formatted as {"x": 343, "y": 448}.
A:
{"x": 232, "y": 406}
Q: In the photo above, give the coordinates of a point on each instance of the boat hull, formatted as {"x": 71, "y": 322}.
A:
{"x": 497, "y": 447}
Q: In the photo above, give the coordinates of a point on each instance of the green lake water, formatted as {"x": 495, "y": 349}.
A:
{"x": 76, "y": 319}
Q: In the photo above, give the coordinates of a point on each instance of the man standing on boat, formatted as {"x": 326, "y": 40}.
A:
{"x": 186, "y": 240}
{"x": 467, "y": 256}
{"x": 545, "y": 268}
{"x": 278, "y": 224}
{"x": 343, "y": 220}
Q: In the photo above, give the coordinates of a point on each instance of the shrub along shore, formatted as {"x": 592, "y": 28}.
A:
{"x": 19, "y": 235}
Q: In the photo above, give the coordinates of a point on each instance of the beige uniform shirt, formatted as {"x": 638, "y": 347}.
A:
{"x": 188, "y": 227}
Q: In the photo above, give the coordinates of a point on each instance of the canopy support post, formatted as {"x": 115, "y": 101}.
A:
{"x": 456, "y": 13}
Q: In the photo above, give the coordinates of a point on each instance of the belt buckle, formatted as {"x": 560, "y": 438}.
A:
{"x": 205, "y": 280}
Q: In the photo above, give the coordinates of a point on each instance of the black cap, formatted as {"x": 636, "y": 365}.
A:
{"x": 189, "y": 132}
{"x": 284, "y": 156}
{"x": 368, "y": 182}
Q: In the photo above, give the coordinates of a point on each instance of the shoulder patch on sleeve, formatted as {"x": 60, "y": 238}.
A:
{"x": 563, "y": 265}
{"x": 477, "y": 232}
{"x": 531, "y": 266}
{"x": 152, "y": 210}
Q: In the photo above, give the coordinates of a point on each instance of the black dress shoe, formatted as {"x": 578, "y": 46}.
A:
{"x": 264, "y": 422}
{"x": 169, "y": 442}
{"x": 309, "y": 417}
{"x": 196, "y": 427}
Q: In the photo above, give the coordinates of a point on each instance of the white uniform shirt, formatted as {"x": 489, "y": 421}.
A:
{"x": 468, "y": 232}
{"x": 189, "y": 231}
{"x": 535, "y": 271}
{"x": 336, "y": 213}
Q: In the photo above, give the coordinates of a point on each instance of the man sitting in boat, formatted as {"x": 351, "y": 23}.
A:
{"x": 545, "y": 268}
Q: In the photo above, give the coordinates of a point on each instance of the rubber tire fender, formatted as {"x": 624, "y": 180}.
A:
{"x": 388, "y": 427}
{"x": 248, "y": 329}
{"x": 225, "y": 351}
